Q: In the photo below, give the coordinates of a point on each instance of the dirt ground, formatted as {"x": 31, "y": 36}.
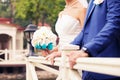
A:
{"x": 42, "y": 75}
{"x": 19, "y": 73}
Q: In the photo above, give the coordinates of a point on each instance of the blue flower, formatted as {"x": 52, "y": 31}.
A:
{"x": 44, "y": 46}
{"x": 50, "y": 46}
{"x": 38, "y": 46}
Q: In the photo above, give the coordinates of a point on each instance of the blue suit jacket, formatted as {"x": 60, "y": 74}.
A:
{"x": 101, "y": 33}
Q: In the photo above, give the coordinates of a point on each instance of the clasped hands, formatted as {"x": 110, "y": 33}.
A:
{"x": 72, "y": 56}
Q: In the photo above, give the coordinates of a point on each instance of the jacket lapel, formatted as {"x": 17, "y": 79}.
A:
{"x": 90, "y": 10}
{"x": 88, "y": 15}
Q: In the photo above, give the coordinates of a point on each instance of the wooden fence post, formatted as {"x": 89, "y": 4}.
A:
{"x": 65, "y": 72}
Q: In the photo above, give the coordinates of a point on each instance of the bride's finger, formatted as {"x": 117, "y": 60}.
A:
{"x": 47, "y": 57}
{"x": 69, "y": 54}
{"x": 52, "y": 61}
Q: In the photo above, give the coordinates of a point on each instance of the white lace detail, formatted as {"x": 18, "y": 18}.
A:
{"x": 84, "y": 3}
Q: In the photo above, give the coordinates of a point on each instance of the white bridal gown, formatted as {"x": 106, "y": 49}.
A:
{"x": 68, "y": 27}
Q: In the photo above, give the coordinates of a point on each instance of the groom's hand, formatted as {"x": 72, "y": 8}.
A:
{"x": 74, "y": 55}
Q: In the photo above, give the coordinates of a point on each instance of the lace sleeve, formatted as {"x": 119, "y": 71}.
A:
{"x": 84, "y": 3}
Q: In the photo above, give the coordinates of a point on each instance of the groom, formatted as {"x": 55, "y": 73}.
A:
{"x": 100, "y": 36}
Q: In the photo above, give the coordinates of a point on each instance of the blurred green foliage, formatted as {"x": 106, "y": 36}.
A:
{"x": 24, "y": 12}
{"x": 44, "y": 11}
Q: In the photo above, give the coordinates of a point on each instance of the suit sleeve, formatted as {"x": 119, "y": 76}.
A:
{"x": 110, "y": 31}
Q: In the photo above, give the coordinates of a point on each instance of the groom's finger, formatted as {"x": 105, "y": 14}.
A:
{"x": 71, "y": 63}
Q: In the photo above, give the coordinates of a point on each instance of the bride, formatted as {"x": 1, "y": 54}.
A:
{"x": 68, "y": 26}
{"x": 70, "y": 21}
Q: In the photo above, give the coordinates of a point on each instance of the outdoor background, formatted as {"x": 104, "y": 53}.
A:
{"x": 24, "y": 12}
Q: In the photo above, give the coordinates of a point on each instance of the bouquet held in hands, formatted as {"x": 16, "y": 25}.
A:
{"x": 43, "y": 40}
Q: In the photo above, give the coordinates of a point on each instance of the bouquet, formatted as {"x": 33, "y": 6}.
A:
{"x": 43, "y": 39}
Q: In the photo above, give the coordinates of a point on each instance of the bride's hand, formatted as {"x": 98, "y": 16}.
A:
{"x": 44, "y": 53}
{"x": 52, "y": 56}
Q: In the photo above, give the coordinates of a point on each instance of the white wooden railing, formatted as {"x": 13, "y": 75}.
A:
{"x": 13, "y": 57}
{"x": 110, "y": 66}
{"x": 13, "y": 54}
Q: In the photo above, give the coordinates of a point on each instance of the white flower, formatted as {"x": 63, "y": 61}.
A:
{"x": 97, "y": 2}
{"x": 43, "y": 35}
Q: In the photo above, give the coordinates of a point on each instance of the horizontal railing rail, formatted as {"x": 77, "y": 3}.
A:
{"x": 13, "y": 54}
{"x": 110, "y": 66}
